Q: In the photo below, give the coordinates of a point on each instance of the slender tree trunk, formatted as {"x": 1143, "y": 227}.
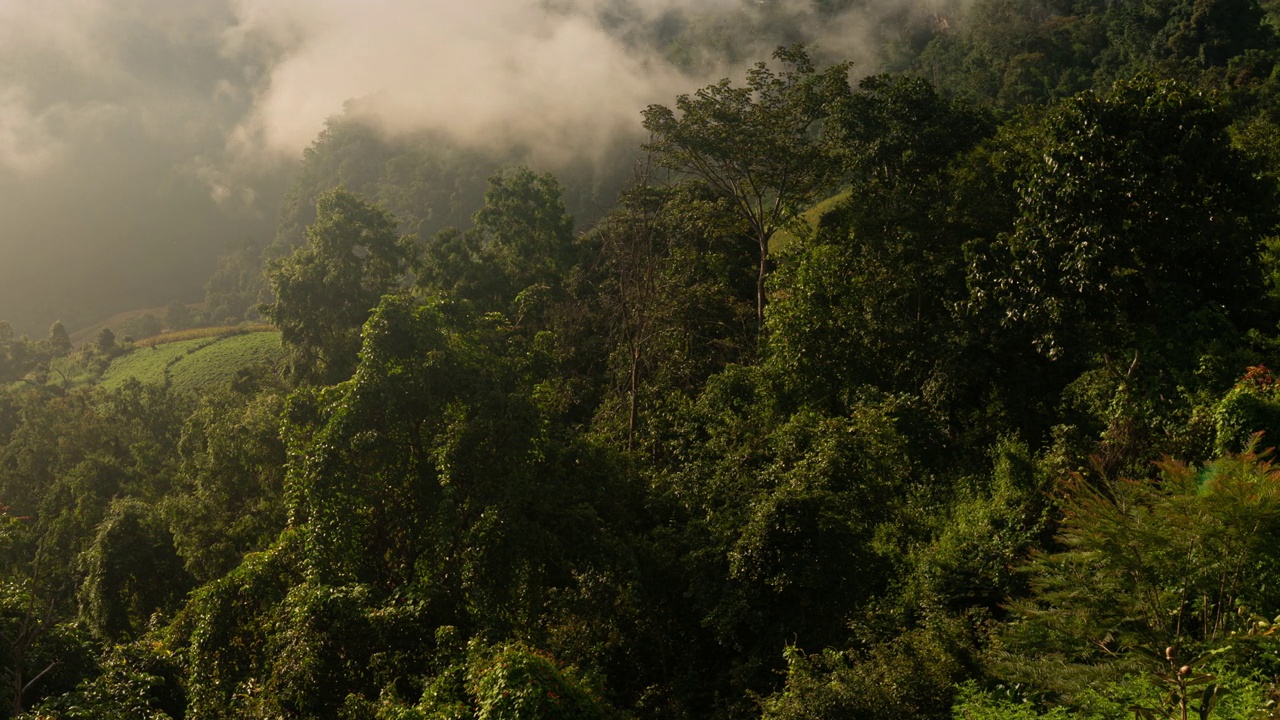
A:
{"x": 28, "y": 630}
{"x": 764, "y": 269}
{"x": 634, "y": 401}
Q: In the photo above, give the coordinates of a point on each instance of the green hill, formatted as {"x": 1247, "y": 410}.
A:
{"x": 190, "y": 365}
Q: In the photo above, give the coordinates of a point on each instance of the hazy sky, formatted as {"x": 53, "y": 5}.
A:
{"x": 139, "y": 137}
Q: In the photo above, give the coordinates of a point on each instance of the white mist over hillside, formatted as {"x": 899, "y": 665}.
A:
{"x": 139, "y": 137}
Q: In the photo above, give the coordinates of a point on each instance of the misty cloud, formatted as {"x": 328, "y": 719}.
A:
{"x": 566, "y": 77}
{"x": 139, "y": 137}
{"x": 486, "y": 71}
{"x": 27, "y": 145}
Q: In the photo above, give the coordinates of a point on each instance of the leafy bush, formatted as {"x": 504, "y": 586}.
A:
{"x": 1252, "y": 406}
{"x": 516, "y": 681}
{"x": 1183, "y": 561}
{"x": 135, "y": 681}
{"x": 973, "y": 703}
{"x": 911, "y": 676}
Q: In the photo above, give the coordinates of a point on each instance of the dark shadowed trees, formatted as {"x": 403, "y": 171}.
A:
{"x": 1135, "y": 215}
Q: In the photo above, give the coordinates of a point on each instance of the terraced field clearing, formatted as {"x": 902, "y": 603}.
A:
{"x": 784, "y": 237}
{"x": 195, "y": 364}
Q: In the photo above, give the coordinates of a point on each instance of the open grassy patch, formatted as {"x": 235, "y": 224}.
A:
{"x": 216, "y": 364}
{"x": 195, "y": 363}
{"x": 149, "y": 364}
{"x": 782, "y": 238}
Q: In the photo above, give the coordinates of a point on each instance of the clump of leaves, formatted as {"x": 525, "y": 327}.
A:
{"x": 1180, "y": 560}
{"x": 515, "y": 680}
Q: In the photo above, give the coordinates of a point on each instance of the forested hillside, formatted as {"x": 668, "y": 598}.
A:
{"x": 941, "y": 392}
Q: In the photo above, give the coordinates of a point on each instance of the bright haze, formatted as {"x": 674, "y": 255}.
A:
{"x": 138, "y": 138}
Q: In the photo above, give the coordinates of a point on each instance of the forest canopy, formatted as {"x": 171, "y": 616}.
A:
{"x": 942, "y": 392}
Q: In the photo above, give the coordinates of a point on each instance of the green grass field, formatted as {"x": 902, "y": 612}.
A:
{"x": 195, "y": 364}
{"x": 782, "y": 238}
{"x": 216, "y": 364}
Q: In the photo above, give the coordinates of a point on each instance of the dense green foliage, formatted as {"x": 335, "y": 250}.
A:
{"x": 983, "y": 434}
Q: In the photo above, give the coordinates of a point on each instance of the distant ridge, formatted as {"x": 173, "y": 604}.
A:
{"x": 87, "y": 334}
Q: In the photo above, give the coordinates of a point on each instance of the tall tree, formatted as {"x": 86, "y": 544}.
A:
{"x": 758, "y": 145}
{"x": 231, "y": 293}
{"x": 325, "y": 290}
{"x": 671, "y": 288}
{"x": 1136, "y": 216}
{"x": 59, "y": 341}
{"x": 521, "y": 245}
{"x": 869, "y": 298}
